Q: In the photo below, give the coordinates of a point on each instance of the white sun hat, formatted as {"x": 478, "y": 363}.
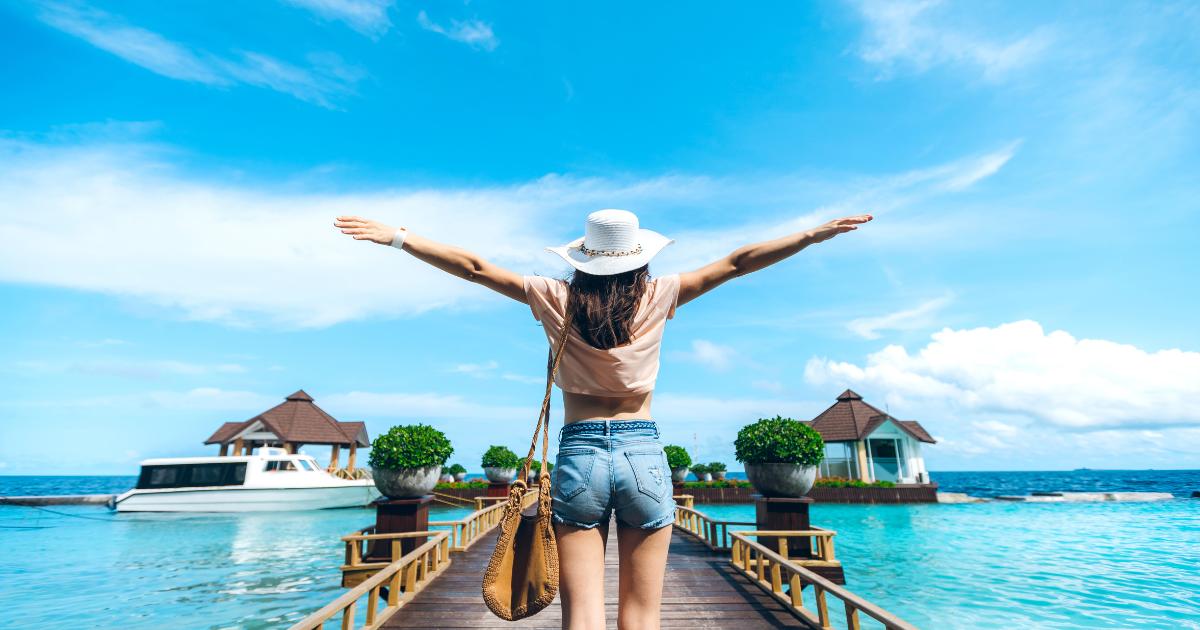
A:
{"x": 612, "y": 243}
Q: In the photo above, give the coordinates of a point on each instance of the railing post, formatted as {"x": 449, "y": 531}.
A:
{"x": 796, "y": 590}
{"x": 822, "y": 607}
{"x": 851, "y": 618}
{"x": 348, "y": 616}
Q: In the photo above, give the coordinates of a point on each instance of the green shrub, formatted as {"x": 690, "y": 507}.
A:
{"x": 842, "y": 482}
{"x": 677, "y": 457}
{"x": 699, "y": 470}
{"x": 715, "y": 467}
{"x": 461, "y": 485}
{"x": 536, "y": 466}
{"x": 779, "y": 440}
{"x": 410, "y": 446}
{"x": 727, "y": 483}
{"x": 500, "y": 457}
{"x": 457, "y": 468}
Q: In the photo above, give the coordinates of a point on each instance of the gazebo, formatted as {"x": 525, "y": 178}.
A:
{"x": 291, "y": 424}
{"x": 863, "y": 442}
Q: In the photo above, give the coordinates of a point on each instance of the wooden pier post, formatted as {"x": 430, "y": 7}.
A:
{"x": 787, "y": 514}
{"x": 398, "y": 516}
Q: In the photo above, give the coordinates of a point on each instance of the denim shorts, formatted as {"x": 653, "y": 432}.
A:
{"x": 612, "y": 465}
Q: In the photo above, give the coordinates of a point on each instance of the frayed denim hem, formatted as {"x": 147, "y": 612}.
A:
{"x": 562, "y": 521}
{"x": 659, "y": 524}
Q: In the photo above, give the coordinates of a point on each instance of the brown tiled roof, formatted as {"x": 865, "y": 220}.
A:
{"x": 225, "y": 433}
{"x": 299, "y": 419}
{"x": 850, "y": 418}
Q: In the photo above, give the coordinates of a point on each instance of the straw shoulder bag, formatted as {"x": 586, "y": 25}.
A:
{"x": 522, "y": 576}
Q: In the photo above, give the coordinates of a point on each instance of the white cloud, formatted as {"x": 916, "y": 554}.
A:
{"x": 478, "y": 370}
{"x": 711, "y": 355}
{"x": 82, "y": 217}
{"x": 369, "y": 17}
{"x": 914, "y": 318}
{"x": 196, "y": 399}
{"x": 132, "y": 368}
{"x": 473, "y": 33}
{"x": 1018, "y": 368}
{"x": 917, "y": 35}
{"x": 325, "y": 78}
{"x": 427, "y": 405}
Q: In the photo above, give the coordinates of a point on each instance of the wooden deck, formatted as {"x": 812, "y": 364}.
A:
{"x": 702, "y": 590}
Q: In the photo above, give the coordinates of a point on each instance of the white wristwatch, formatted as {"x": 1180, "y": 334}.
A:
{"x": 398, "y": 239}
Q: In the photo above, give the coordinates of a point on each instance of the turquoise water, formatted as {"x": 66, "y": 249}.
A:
{"x": 987, "y": 565}
{"x": 81, "y": 566}
{"x": 1011, "y": 565}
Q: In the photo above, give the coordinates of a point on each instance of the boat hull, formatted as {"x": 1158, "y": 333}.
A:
{"x": 244, "y": 499}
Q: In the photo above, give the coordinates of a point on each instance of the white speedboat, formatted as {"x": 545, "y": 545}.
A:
{"x": 270, "y": 480}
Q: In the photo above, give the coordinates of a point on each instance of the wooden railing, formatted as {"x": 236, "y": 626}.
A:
{"x": 785, "y": 578}
{"x": 461, "y": 534}
{"x": 711, "y": 532}
{"x": 450, "y": 499}
{"x": 393, "y": 585}
{"x": 464, "y": 532}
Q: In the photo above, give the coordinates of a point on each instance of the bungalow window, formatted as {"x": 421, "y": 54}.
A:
{"x": 840, "y": 460}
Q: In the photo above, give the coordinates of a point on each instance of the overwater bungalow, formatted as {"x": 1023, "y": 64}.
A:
{"x": 295, "y": 422}
{"x": 862, "y": 442}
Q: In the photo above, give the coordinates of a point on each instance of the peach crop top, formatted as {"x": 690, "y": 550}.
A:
{"x": 626, "y": 370}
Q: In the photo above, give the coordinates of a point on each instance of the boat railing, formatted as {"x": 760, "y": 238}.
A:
{"x": 785, "y": 578}
{"x": 393, "y": 585}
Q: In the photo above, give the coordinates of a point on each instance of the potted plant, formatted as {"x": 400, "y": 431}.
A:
{"x": 500, "y": 464}
{"x": 535, "y": 468}
{"x": 717, "y": 470}
{"x": 446, "y": 477}
{"x": 405, "y": 461}
{"x": 701, "y": 472}
{"x": 458, "y": 472}
{"x": 678, "y": 461}
{"x": 781, "y": 456}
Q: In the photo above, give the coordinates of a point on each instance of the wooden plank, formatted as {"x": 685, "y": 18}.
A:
{"x": 701, "y": 591}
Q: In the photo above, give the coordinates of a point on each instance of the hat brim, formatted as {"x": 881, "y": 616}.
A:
{"x": 652, "y": 243}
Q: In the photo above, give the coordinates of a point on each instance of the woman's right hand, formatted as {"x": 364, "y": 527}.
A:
{"x": 365, "y": 229}
{"x": 839, "y": 226}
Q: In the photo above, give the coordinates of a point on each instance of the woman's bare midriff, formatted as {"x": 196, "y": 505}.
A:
{"x": 584, "y": 407}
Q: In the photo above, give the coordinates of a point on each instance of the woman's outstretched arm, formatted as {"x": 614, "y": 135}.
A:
{"x": 751, "y": 258}
{"x": 452, "y": 260}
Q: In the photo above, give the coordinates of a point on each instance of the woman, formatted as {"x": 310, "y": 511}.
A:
{"x": 609, "y": 459}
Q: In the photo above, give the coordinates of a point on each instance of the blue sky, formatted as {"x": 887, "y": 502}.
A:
{"x": 169, "y": 174}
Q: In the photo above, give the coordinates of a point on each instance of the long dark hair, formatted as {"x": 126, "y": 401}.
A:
{"x": 605, "y": 305}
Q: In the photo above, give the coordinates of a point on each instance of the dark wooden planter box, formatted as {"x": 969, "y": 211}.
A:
{"x": 907, "y": 493}
{"x": 922, "y": 493}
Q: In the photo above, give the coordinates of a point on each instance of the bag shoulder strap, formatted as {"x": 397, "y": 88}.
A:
{"x": 553, "y": 359}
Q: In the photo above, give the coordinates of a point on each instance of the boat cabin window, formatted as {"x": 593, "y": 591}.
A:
{"x": 192, "y": 475}
{"x": 307, "y": 464}
{"x": 280, "y": 466}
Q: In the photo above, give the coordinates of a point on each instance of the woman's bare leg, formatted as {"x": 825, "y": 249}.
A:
{"x": 581, "y": 576}
{"x": 643, "y": 555}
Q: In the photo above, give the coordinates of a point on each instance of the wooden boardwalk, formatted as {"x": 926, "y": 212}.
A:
{"x": 702, "y": 590}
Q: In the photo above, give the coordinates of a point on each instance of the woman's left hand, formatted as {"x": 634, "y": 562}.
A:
{"x": 839, "y": 226}
{"x": 366, "y": 229}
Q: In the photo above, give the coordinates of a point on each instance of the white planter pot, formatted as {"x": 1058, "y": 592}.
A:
{"x": 781, "y": 480}
{"x": 719, "y": 475}
{"x": 707, "y": 477}
{"x": 460, "y": 476}
{"x": 406, "y": 483}
{"x": 679, "y": 474}
{"x": 446, "y": 479}
{"x": 500, "y": 475}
